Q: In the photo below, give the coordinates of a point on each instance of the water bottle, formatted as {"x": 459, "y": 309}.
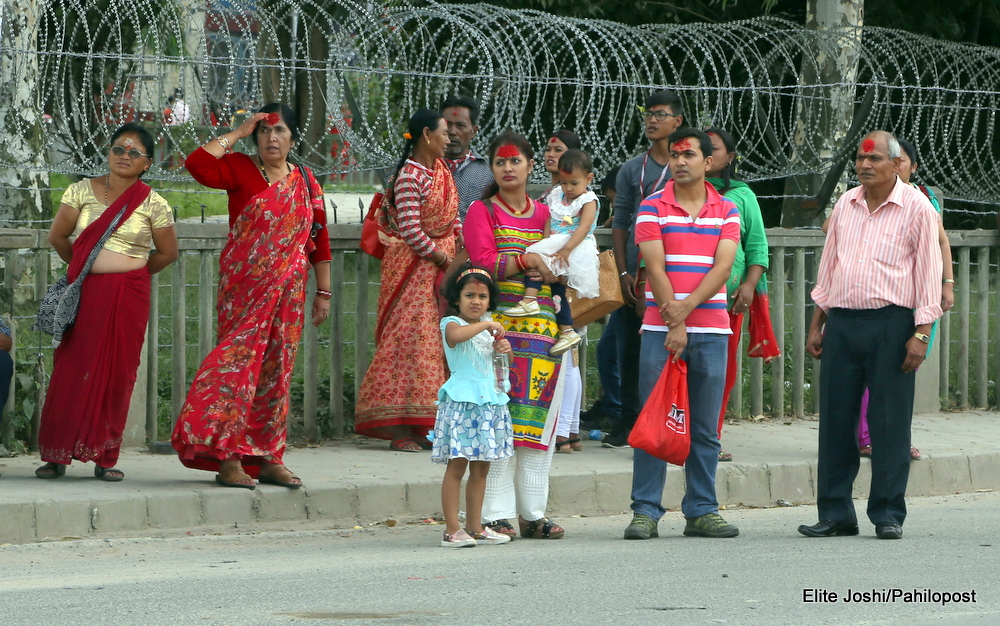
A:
{"x": 501, "y": 368}
{"x": 597, "y": 435}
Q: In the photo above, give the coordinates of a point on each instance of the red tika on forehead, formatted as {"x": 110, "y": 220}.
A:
{"x": 682, "y": 145}
{"x": 273, "y": 119}
{"x": 554, "y": 140}
{"x": 508, "y": 152}
{"x": 868, "y": 145}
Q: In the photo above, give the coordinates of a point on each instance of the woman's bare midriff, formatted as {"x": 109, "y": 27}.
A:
{"x": 109, "y": 262}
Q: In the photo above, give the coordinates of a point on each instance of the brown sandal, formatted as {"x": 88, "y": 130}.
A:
{"x": 275, "y": 476}
{"x": 542, "y": 528}
{"x": 232, "y": 478}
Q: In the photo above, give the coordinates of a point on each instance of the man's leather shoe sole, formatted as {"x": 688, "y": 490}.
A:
{"x": 827, "y": 528}
{"x": 888, "y": 531}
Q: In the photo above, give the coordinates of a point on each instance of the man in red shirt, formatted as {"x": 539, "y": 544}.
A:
{"x": 878, "y": 292}
{"x": 687, "y": 234}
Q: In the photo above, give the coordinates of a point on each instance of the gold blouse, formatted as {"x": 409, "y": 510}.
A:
{"x": 134, "y": 238}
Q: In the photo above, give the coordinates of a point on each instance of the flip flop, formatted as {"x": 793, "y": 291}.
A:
{"x": 108, "y": 474}
{"x": 226, "y": 483}
{"x": 271, "y": 480}
{"x": 399, "y": 443}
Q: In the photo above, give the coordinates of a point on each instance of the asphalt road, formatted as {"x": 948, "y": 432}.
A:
{"x": 398, "y": 575}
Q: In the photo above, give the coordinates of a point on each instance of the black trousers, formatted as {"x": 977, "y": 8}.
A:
{"x": 629, "y": 346}
{"x": 865, "y": 349}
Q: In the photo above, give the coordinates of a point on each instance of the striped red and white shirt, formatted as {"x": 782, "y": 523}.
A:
{"x": 410, "y": 192}
{"x": 888, "y": 256}
{"x": 689, "y": 246}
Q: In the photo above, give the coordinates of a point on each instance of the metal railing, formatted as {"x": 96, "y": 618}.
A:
{"x": 182, "y": 326}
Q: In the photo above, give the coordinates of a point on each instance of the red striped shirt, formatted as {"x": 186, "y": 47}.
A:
{"x": 410, "y": 192}
{"x": 689, "y": 247}
{"x": 888, "y": 256}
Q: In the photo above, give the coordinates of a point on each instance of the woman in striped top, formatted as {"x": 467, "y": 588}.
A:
{"x": 398, "y": 398}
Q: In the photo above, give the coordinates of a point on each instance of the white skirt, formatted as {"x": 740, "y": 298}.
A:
{"x": 583, "y": 273}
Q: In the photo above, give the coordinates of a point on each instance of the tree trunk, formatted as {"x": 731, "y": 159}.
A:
{"x": 825, "y": 107}
{"x": 23, "y": 183}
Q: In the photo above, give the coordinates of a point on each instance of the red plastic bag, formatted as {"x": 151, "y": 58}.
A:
{"x": 662, "y": 428}
{"x": 763, "y": 343}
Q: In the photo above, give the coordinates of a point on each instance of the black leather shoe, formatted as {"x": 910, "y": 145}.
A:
{"x": 888, "y": 531}
{"x": 826, "y": 528}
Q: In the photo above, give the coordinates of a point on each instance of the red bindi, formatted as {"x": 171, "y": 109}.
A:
{"x": 868, "y": 145}
{"x": 554, "y": 140}
{"x": 682, "y": 145}
{"x": 508, "y": 152}
{"x": 273, "y": 119}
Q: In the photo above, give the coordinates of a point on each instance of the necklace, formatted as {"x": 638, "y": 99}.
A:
{"x": 527, "y": 204}
{"x": 264, "y": 174}
{"x": 106, "y": 189}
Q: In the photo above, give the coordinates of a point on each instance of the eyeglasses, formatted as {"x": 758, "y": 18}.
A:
{"x": 659, "y": 115}
{"x": 133, "y": 153}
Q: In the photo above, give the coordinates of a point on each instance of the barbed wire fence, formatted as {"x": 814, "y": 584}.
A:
{"x": 355, "y": 70}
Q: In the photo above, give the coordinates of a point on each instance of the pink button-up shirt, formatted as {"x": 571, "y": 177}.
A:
{"x": 889, "y": 256}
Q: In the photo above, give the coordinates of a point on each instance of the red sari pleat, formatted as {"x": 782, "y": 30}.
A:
{"x": 402, "y": 382}
{"x": 238, "y": 402}
{"x": 94, "y": 371}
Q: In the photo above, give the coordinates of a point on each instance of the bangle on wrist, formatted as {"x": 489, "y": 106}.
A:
{"x": 519, "y": 261}
{"x": 948, "y": 281}
{"x": 224, "y": 142}
{"x": 625, "y": 273}
{"x": 323, "y": 293}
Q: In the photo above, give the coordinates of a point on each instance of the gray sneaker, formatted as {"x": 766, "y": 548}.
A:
{"x": 710, "y": 525}
{"x": 642, "y": 527}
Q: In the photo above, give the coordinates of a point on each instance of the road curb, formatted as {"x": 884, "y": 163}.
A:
{"x": 365, "y": 501}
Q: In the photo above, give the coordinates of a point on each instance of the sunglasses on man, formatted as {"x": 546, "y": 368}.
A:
{"x": 132, "y": 153}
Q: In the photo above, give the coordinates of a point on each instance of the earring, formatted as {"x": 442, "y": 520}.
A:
{"x": 428, "y": 142}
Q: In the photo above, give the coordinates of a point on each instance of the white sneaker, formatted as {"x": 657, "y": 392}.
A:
{"x": 489, "y": 537}
{"x": 525, "y": 308}
{"x": 461, "y": 539}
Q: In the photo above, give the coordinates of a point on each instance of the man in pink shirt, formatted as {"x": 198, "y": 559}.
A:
{"x": 687, "y": 234}
{"x": 878, "y": 292}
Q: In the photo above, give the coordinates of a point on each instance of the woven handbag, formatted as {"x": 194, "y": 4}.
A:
{"x": 588, "y": 310}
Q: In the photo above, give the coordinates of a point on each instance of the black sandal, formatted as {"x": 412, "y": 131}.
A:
{"x": 109, "y": 474}
{"x": 548, "y": 529}
{"x": 51, "y": 470}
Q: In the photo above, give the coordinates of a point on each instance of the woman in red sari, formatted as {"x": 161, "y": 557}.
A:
{"x": 233, "y": 421}
{"x": 95, "y": 364}
{"x": 398, "y": 398}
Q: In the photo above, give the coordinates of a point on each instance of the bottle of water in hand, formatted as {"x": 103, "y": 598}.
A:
{"x": 501, "y": 368}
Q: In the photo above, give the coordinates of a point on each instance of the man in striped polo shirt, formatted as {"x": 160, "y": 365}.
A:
{"x": 687, "y": 234}
{"x": 877, "y": 293}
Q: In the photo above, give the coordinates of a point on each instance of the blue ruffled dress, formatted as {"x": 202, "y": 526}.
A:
{"x": 472, "y": 418}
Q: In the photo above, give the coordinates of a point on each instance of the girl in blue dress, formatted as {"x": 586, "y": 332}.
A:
{"x": 473, "y": 425}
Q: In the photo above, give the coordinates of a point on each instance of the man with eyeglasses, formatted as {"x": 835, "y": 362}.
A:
{"x": 638, "y": 178}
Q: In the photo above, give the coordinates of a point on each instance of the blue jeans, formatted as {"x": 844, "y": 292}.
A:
{"x": 706, "y": 356}
{"x": 607, "y": 370}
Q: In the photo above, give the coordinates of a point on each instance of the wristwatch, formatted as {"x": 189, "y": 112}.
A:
{"x": 922, "y": 337}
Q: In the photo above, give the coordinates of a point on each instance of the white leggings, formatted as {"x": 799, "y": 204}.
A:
{"x": 569, "y": 410}
{"x": 518, "y": 485}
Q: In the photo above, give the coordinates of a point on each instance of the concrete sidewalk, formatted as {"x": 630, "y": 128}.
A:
{"x": 359, "y": 482}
